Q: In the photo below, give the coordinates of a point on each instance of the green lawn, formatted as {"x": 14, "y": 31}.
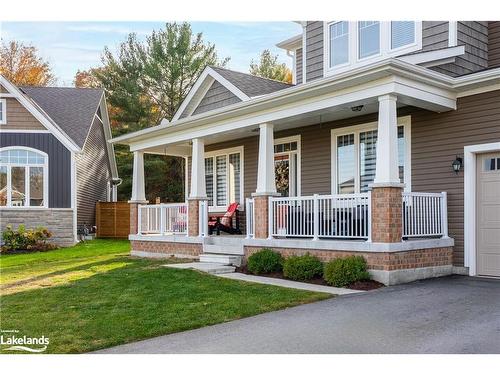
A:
{"x": 94, "y": 295}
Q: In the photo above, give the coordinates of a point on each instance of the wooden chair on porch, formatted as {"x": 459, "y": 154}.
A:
{"x": 225, "y": 222}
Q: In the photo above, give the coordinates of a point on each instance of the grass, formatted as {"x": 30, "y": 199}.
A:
{"x": 94, "y": 295}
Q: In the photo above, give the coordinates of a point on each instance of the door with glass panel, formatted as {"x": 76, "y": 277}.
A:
{"x": 286, "y": 168}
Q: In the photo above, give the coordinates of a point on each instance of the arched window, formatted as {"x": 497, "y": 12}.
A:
{"x": 23, "y": 177}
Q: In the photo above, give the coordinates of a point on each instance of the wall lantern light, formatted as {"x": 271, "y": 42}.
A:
{"x": 457, "y": 164}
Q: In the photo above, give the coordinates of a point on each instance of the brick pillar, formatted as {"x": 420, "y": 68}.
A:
{"x": 261, "y": 209}
{"x": 134, "y": 215}
{"x": 193, "y": 217}
{"x": 387, "y": 216}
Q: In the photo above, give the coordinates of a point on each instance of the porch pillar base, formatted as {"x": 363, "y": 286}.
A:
{"x": 194, "y": 216}
{"x": 261, "y": 210}
{"x": 387, "y": 215}
{"x": 134, "y": 215}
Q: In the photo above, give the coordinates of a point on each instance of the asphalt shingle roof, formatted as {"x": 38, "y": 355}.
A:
{"x": 71, "y": 108}
{"x": 249, "y": 84}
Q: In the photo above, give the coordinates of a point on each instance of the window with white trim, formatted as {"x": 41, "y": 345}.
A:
{"x": 223, "y": 178}
{"x": 23, "y": 177}
{"x": 287, "y": 166}
{"x": 354, "y": 157}
{"x": 3, "y": 111}
{"x": 349, "y": 44}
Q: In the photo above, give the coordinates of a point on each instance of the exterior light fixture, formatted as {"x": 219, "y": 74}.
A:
{"x": 457, "y": 164}
{"x": 357, "y": 108}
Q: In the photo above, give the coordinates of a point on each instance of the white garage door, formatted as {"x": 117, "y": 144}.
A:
{"x": 488, "y": 214}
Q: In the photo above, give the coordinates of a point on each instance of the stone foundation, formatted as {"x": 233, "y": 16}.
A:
{"x": 166, "y": 249}
{"x": 57, "y": 220}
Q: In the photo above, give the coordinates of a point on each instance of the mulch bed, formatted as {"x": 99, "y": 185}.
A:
{"x": 358, "y": 285}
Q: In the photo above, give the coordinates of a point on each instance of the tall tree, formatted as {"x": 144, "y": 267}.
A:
{"x": 146, "y": 82}
{"x": 21, "y": 65}
{"x": 269, "y": 67}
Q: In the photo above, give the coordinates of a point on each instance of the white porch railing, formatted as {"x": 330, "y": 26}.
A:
{"x": 425, "y": 215}
{"x": 250, "y": 217}
{"x": 168, "y": 218}
{"x": 321, "y": 216}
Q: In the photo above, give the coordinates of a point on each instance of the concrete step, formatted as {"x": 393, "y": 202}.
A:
{"x": 224, "y": 259}
{"x": 223, "y": 249}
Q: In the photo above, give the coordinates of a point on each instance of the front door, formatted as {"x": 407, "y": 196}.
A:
{"x": 488, "y": 214}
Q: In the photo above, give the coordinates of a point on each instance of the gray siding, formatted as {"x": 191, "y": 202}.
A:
{"x": 434, "y": 35}
{"x": 217, "y": 96}
{"x": 19, "y": 118}
{"x": 59, "y": 163}
{"x": 93, "y": 173}
{"x": 494, "y": 44}
{"x": 314, "y": 50}
{"x": 298, "y": 66}
{"x": 474, "y": 36}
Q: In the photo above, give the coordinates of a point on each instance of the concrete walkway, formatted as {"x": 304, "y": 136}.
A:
{"x": 454, "y": 314}
{"x": 289, "y": 283}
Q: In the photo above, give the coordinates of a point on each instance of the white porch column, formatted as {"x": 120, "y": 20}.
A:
{"x": 387, "y": 171}
{"x": 138, "y": 191}
{"x": 266, "y": 182}
{"x": 198, "y": 189}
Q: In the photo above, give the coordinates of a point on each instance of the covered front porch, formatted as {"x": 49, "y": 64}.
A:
{"x": 263, "y": 157}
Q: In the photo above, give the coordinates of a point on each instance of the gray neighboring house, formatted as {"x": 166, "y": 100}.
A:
{"x": 55, "y": 158}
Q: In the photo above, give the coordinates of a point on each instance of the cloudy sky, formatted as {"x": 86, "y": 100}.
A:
{"x": 70, "y": 46}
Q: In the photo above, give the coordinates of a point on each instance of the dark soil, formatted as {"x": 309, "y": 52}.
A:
{"x": 358, "y": 285}
{"x": 24, "y": 251}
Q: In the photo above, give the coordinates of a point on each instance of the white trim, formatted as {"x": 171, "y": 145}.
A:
{"x": 291, "y": 43}
{"x": 226, "y": 152}
{"x": 208, "y": 72}
{"x": 294, "y": 138}
{"x": 431, "y": 58}
{"x": 479, "y": 90}
{"x": 404, "y": 121}
{"x": 26, "y": 166}
{"x": 40, "y": 115}
{"x": 470, "y": 153}
{"x": 452, "y": 33}
{"x": 3, "y": 119}
{"x": 385, "y": 50}
{"x": 74, "y": 196}
{"x": 34, "y": 131}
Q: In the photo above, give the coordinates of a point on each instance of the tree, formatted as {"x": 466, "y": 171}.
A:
{"x": 86, "y": 78}
{"x": 269, "y": 67}
{"x": 21, "y": 65}
{"x": 144, "y": 83}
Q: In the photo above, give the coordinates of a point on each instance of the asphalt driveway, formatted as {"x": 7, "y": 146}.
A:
{"x": 454, "y": 314}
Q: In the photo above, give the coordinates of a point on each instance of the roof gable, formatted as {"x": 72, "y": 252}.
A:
{"x": 219, "y": 87}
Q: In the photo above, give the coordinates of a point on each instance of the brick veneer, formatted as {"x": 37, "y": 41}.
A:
{"x": 168, "y": 248}
{"x": 133, "y": 217}
{"x": 261, "y": 209}
{"x": 376, "y": 261}
{"x": 193, "y": 217}
{"x": 387, "y": 216}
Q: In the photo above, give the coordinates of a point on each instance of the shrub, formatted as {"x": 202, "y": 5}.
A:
{"x": 342, "y": 272}
{"x": 303, "y": 267}
{"x": 265, "y": 261}
{"x": 26, "y": 239}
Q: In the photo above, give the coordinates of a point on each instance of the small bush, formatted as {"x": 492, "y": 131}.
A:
{"x": 302, "y": 268}
{"x": 342, "y": 272}
{"x": 26, "y": 239}
{"x": 265, "y": 261}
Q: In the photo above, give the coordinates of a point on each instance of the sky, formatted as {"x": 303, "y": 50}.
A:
{"x": 69, "y": 46}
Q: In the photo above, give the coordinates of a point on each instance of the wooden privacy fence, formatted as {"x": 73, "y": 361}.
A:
{"x": 112, "y": 219}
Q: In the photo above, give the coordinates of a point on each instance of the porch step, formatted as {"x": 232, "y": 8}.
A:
{"x": 223, "y": 259}
{"x": 233, "y": 249}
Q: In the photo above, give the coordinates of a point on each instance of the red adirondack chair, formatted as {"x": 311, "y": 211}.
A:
{"x": 225, "y": 222}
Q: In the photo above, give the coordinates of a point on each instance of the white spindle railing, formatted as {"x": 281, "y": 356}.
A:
{"x": 321, "y": 216}
{"x": 425, "y": 215}
{"x": 250, "y": 217}
{"x": 203, "y": 218}
{"x": 168, "y": 218}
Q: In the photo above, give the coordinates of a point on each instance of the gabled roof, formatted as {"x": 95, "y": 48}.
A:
{"x": 73, "y": 109}
{"x": 243, "y": 85}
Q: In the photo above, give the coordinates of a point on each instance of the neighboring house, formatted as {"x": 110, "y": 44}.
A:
{"x": 55, "y": 158}
{"x": 387, "y": 146}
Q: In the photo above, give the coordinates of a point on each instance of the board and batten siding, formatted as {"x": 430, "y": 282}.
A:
{"x": 59, "y": 163}
{"x": 93, "y": 173}
{"x": 217, "y": 96}
{"x": 494, "y": 44}
{"x": 19, "y": 118}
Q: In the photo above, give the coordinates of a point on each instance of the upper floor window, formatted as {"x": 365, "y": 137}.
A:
{"x": 23, "y": 178}
{"x": 352, "y": 44}
{"x": 3, "y": 111}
